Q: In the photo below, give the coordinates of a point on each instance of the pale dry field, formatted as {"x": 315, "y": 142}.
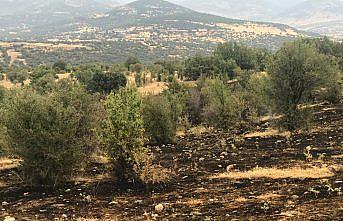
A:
{"x": 259, "y": 29}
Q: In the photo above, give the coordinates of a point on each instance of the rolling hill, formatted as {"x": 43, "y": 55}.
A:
{"x": 149, "y": 29}
{"x": 23, "y": 15}
{"x": 320, "y": 16}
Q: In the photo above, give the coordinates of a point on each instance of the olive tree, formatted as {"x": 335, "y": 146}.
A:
{"x": 296, "y": 71}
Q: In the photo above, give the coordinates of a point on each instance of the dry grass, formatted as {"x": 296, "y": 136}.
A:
{"x": 198, "y": 130}
{"x": 63, "y": 76}
{"x": 153, "y": 88}
{"x": 7, "y": 163}
{"x": 338, "y": 156}
{"x": 275, "y": 173}
{"x": 241, "y": 200}
{"x": 258, "y": 29}
{"x": 14, "y": 55}
{"x": 269, "y": 196}
{"x": 94, "y": 179}
{"x": 194, "y": 202}
{"x": 7, "y": 84}
{"x": 268, "y": 133}
{"x": 2, "y": 184}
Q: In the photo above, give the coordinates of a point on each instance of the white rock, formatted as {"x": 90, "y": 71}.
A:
{"x": 159, "y": 208}
{"x": 9, "y": 218}
{"x": 112, "y": 203}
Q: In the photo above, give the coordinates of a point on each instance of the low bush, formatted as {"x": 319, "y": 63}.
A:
{"x": 333, "y": 93}
{"x": 123, "y": 134}
{"x": 52, "y": 133}
{"x": 159, "y": 123}
{"x": 220, "y": 108}
{"x": 149, "y": 172}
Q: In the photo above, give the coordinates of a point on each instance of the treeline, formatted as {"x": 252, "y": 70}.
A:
{"x": 55, "y": 125}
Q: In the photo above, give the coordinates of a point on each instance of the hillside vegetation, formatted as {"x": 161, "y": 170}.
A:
{"x": 149, "y": 29}
{"x": 239, "y": 133}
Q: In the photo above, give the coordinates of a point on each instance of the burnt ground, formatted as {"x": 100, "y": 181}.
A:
{"x": 194, "y": 194}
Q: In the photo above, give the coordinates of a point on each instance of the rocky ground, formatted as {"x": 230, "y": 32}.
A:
{"x": 236, "y": 175}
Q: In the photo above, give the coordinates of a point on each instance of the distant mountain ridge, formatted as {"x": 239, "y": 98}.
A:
{"x": 313, "y": 15}
{"x": 150, "y": 29}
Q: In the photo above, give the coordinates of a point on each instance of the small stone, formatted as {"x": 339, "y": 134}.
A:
{"x": 112, "y": 203}
{"x": 88, "y": 198}
{"x": 159, "y": 208}
{"x": 229, "y": 168}
{"x": 295, "y": 197}
{"x": 9, "y": 218}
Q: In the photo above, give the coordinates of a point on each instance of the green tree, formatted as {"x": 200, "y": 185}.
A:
{"x": 60, "y": 66}
{"x": 245, "y": 57}
{"x": 42, "y": 79}
{"x": 52, "y": 133}
{"x": 210, "y": 67}
{"x": 105, "y": 82}
{"x": 3, "y": 144}
{"x": 124, "y": 132}
{"x": 17, "y": 75}
{"x": 296, "y": 71}
{"x": 2, "y": 94}
{"x": 138, "y": 68}
{"x": 219, "y": 109}
{"x": 130, "y": 61}
{"x": 159, "y": 124}
{"x": 85, "y": 73}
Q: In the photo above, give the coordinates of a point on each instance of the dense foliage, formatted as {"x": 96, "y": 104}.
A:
{"x": 124, "y": 132}
{"x": 158, "y": 119}
{"x": 296, "y": 71}
{"x": 53, "y": 134}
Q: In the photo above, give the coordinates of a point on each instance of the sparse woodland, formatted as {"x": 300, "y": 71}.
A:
{"x": 92, "y": 143}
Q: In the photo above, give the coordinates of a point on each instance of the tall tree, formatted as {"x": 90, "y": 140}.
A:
{"x": 296, "y": 71}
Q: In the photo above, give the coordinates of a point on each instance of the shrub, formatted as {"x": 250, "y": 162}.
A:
{"x": 60, "y": 66}
{"x": 106, "y": 82}
{"x": 124, "y": 132}
{"x": 2, "y": 94}
{"x": 252, "y": 96}
{"x": 333, "y": 93}
{"x": 296, "y": 71}
{"x": 219, "y": 109}
{"x": 150, "y": 173}
{"x": 194, "y": 106}
{"x": 3, "y": 144}
{"x": 158, "y": 118}
{"x": 52, "y": 133}
{"x": 17, "y": 76}
{"x": 130, "y": 61}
